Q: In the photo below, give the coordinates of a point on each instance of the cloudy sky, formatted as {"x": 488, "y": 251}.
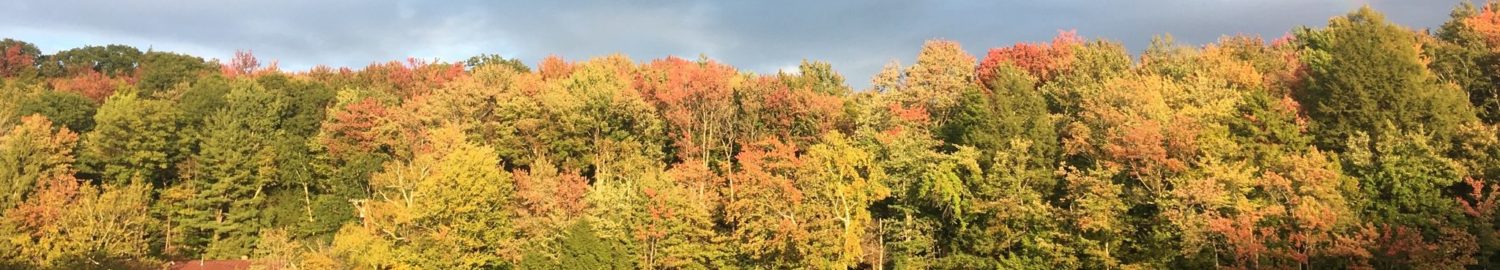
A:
{"x": 761, "y": 36}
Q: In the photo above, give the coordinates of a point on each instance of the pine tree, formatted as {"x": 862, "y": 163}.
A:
{"x": 237, "y": 165}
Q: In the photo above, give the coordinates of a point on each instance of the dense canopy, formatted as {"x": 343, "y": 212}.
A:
{"x": 1360, "y": 144}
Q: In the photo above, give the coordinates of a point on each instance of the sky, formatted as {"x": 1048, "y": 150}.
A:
{"x": 856, "y": 37}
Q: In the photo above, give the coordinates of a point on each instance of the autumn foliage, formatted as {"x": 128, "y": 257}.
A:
{"x": 1042, "y": 60}
{"x": 91, "y": 84}
{"x": 1358, "y": 145}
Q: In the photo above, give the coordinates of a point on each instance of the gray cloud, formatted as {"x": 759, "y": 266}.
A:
{"x": 761, "y": 36}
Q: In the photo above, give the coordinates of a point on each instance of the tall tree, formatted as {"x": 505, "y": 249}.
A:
{"x": 839, "y": 182}
{"x": 763, "y": 201}
{"x": 942, "y": 72}
{"x": 1365, "y": 72}
{"x": 1093, "y": 62}
{"x": 33, "y": 153}
{"x": 56, "y": 221}
{"x": 446, "y": 208}
{"x": 495, "y": 59}
{"x": 111, "y": 60}
{"x": 786, "y": 108}
{"x": 18, "y": 58}
{"x": 1009, "y": 107}
{"x": 695, "y": 99}
{"x": 496, "y": 105}
{"x": 1043, "y": 61}
{"x": 67, "y": 109}
{"x": 134, "y": 140}
{"x": 162, "y": 71}
{"x": 236, "y": 165}
{"x": 89, "y": 83}
{"x": 601, "y": 119}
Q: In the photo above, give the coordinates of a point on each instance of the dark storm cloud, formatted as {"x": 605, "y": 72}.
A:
{"x": 762, "y": 36}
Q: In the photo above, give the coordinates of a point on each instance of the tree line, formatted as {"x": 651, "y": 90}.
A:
{"x": 1361, "y": 144}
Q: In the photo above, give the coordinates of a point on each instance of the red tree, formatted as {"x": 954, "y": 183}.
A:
{"x": 1042, "y": 60}
{"x": 89, "y": 83}
{"x": 354, "y": 128}
{"x": 554, "y": 67}
{"x": 13, "y": 61}
{"x": 696, "y": 100}
{"x": 244, "y": 63}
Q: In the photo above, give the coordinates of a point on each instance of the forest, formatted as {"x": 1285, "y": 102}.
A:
{"x": 1359, "y": 144}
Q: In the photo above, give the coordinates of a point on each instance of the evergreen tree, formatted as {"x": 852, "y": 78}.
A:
{"x": 237, "y": 164}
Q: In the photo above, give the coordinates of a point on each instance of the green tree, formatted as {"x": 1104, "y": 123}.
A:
{"x": 929, "y": 199}
{"x": 134, "y": 140}
{"x": 1364, "y": 71}
{"x": 67, "y": 109}
{"x": 111, "y": 60}
{"x": 1464, "y": 52}
{"x": 1013, "y": 221}
{"x": 305, "y": 103}
{"x": 582, "y": 249}
{"x": 162, "y": 71}
{"x": 495, "y": 59}
{"x": 237, "y": 164}
{"x": 1403, "y": 178}
{"x": 1009, "y": 107}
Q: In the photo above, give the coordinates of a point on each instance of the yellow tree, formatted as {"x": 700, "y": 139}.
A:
{"x": 495, "y": 106}
{"x": 943, "y": 70}
{"x": 446, "y": 207}
{"x": 66, "y": 223}
{"x": 30, "y": 153}
{"x": 840, "y": 182}
{"x": 599, "y": 121}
